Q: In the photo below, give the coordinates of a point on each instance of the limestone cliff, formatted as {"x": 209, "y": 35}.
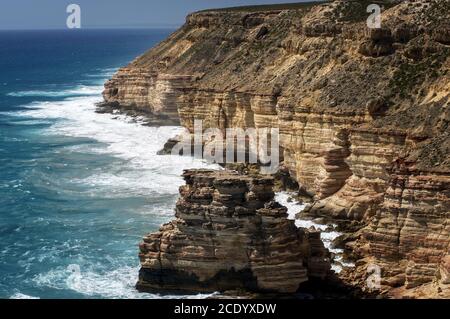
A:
{"x": 363, "y": 114}
{"x": 230, "y": 234}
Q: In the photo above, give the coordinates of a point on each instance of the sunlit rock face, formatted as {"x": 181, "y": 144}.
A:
{"x": 351, "y": 103}
{"x": 230, "y": 234}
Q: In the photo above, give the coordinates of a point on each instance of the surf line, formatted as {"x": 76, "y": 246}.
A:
{"x": 185, "y": 309}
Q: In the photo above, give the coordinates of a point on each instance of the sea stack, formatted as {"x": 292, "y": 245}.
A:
{"x": 229, "y": 234}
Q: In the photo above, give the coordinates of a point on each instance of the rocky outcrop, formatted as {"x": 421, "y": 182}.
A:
{"x": 230, "y": 234}
{"x": 378, "y": 43}
{"x": 153, "y": 93}
{"x": 349, "y": 102}
{"x": 408, "y": 238}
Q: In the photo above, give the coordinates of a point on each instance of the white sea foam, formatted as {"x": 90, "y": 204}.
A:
{"x": 142, "y": 172}
{"x": 114, "y": 284}
{"x": 294, "y": 208}
{"x": 80, "y": 90}
{"x": 102, "y": 73}
{"x": 125, "y": 138}
{"x": 19, "y": 295}
{"x": 327, "y": 234}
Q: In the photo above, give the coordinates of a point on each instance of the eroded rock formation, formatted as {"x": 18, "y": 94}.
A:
{"x": 230, "y": 234}
{"x": 363, "y": 114}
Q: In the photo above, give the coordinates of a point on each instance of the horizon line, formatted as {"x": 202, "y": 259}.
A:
{"x": 93, "y": 28}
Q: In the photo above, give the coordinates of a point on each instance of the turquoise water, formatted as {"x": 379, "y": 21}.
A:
{"x": 78, "y": 189}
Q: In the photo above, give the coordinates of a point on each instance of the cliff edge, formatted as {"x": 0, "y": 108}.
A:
{"x": 363, "y": 116}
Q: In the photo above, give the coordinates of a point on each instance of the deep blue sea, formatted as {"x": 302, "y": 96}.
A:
{"x": 78, "y": 189}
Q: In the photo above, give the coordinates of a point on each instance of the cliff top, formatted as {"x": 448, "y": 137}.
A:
{"x": 294, "y": 6}
{"x": 267, "y": 7}
{"x": 325, "y": 59}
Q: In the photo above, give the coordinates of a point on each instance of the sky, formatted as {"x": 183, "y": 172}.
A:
{"x": 51, "y": 14}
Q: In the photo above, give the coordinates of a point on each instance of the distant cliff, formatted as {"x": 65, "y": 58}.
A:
{"x": 363, "y": 115}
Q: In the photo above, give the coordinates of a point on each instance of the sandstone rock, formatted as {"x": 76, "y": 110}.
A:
{"x": 376, "y": 106}
{"x": 378, "y": 43}
{"x": 230, "y": 234}
{"x": 420, "y": 49}
{"x": 404, "y": 33}
{"x": 445, "y": 270}
{"x": 410, "y": 226}
{"x": 213, "y": 70}
{"x": 169, "y": 145}
{"x": 262, "y": 32}
{"x": 253, "y": 20}
{"x": 316, "y": 29}
{"x": 442, "y": 34}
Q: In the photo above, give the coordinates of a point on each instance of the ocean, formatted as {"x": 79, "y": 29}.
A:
{"x": 78, "y": 189}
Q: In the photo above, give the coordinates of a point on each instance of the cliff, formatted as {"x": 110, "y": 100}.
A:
{"x": 363, "y": 116}
{"x": 230, "y": 234}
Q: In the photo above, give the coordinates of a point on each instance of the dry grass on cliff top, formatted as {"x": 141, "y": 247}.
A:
{"x": 292, "y": 6}
{"x": 270, "y": 7}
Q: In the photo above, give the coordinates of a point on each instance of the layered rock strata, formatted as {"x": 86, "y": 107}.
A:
{"x": 352, "y": 104}
{"x": 230, "y": 234}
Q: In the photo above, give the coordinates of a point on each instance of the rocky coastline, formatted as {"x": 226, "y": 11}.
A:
{"x": 230, "y": 234}
{"x": 364, "y": 120}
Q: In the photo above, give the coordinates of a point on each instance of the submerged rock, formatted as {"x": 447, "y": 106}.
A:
{"x": 230, "y": 234}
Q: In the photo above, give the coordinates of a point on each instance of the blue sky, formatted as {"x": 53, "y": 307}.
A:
{"x": 51, "y": 14}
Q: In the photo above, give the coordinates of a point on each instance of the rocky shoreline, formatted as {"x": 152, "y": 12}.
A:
{"x": 363, "y": 116}
{"x": 230, "y": 234}
{"x": 144, "y": 117}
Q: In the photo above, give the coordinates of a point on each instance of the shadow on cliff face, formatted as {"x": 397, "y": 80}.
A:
{"x": 181, "y": 282}
{"x": 332, "y": 288}
{"x": 242, "y": 284}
